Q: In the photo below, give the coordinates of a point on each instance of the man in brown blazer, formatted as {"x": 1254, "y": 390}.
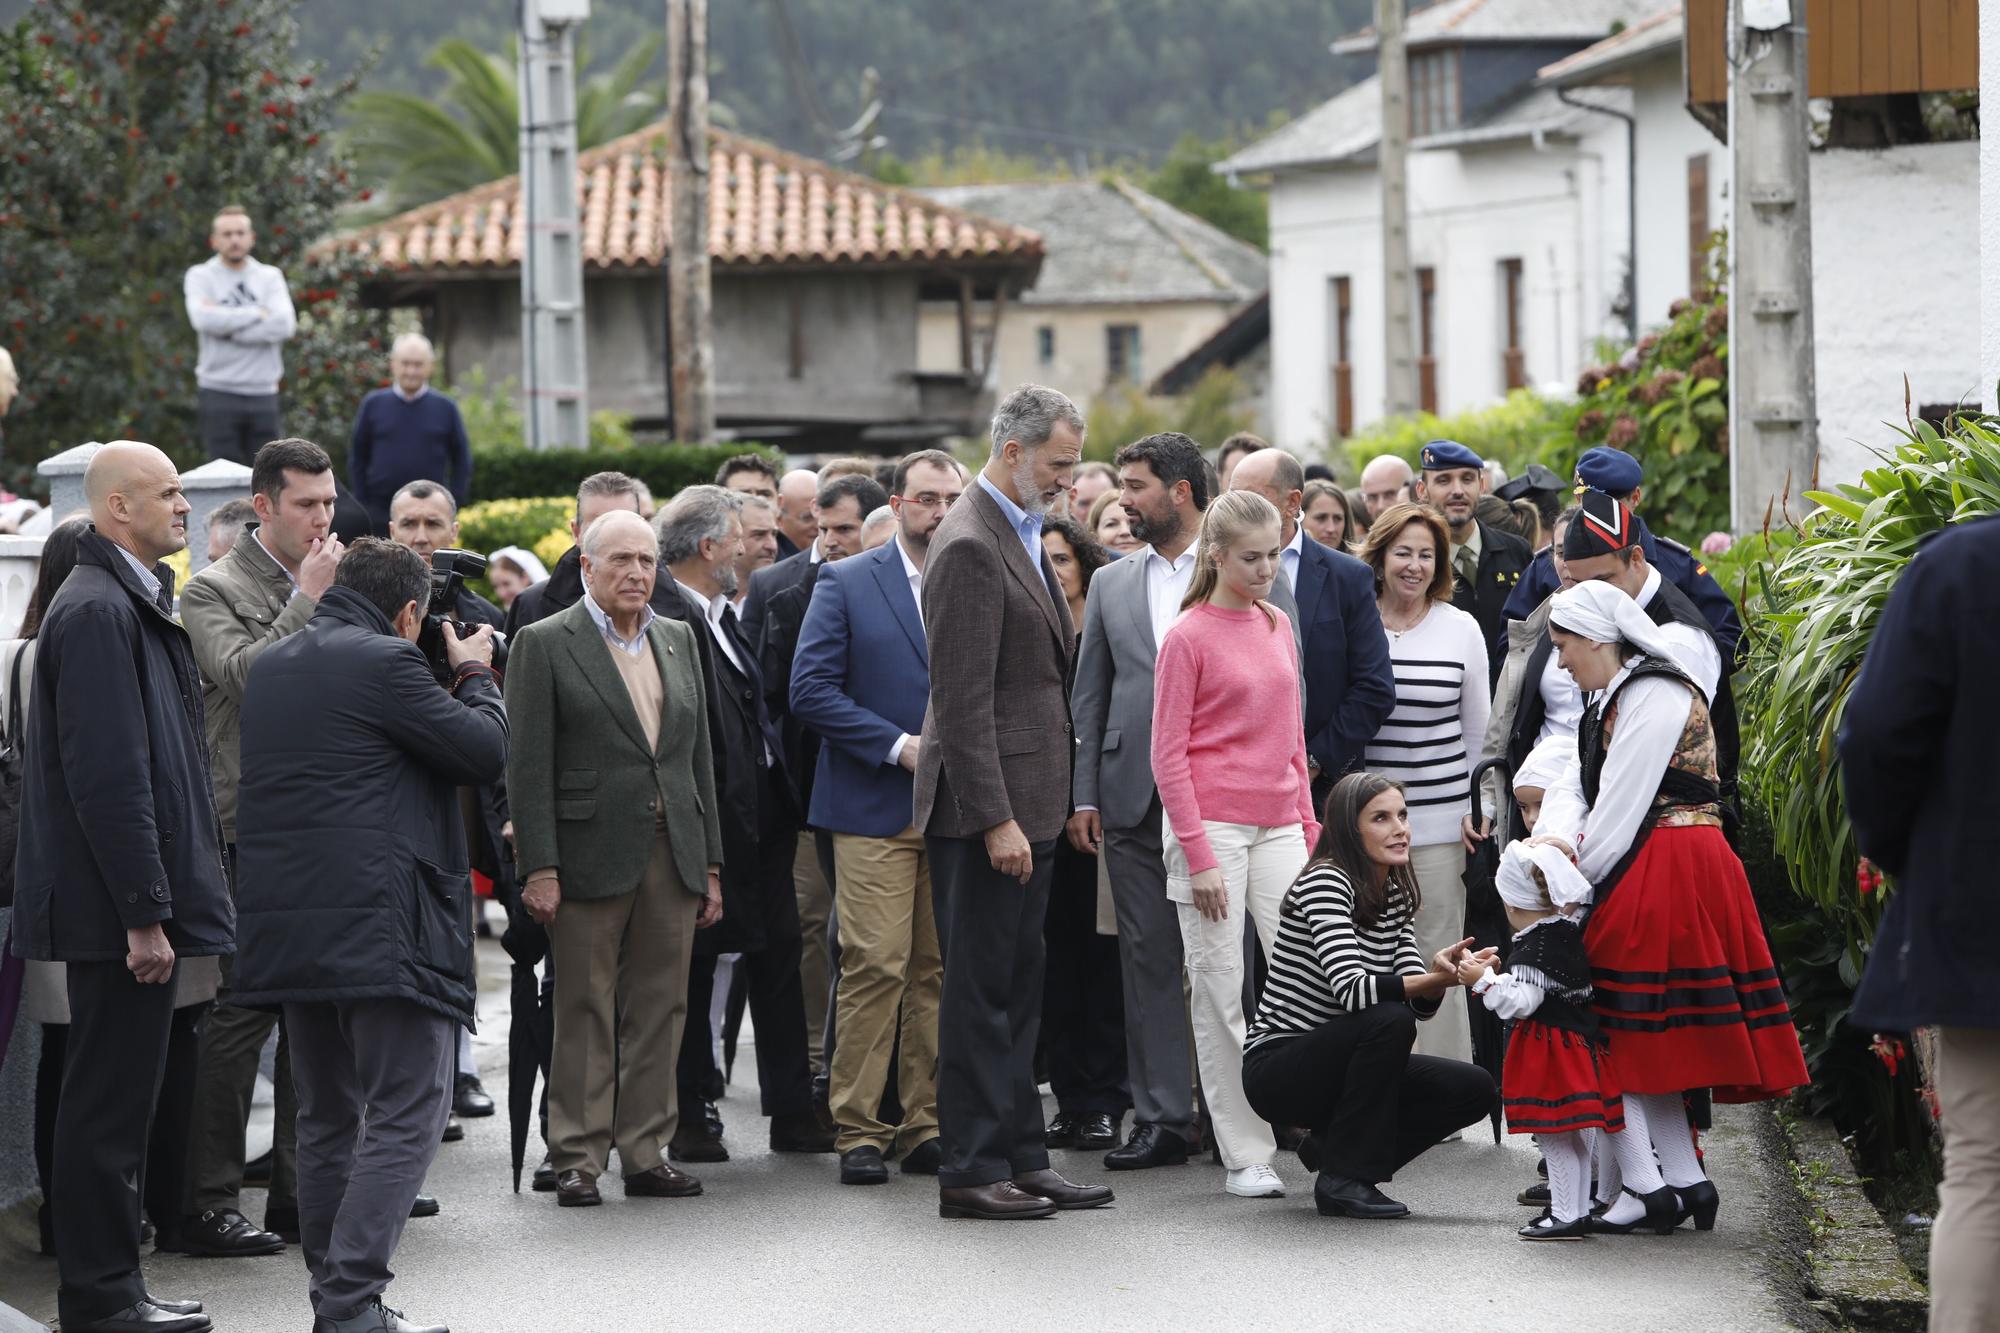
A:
{"x": 992, "y": 794}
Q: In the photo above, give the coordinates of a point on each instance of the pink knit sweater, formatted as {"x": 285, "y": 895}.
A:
{"x": 1228, "y": 742}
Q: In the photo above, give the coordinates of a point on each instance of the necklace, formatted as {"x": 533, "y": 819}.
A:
{"x": 1396, "y": 632}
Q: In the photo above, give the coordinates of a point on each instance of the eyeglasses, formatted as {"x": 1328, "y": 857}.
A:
{"x": 930, "y": 500}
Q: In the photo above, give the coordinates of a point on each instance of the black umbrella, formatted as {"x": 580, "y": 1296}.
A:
{"x": 531, "y": 1024}
{"x": 1486, "y": 923}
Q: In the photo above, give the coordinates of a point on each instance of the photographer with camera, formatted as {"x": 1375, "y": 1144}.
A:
{"x": 354, "y": 907}
{"x": 260, "y": 593}
{"x": 424, "y": 518}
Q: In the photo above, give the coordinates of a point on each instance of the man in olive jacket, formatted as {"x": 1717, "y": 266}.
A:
{"x": 119, "y": 867}
{"x": 616, "y": 832}
{"x": 355, "y": 902}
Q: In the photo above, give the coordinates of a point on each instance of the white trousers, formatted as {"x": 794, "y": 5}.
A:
{"x": 1258, "y": 865}
{"x": 1440, "y": 871}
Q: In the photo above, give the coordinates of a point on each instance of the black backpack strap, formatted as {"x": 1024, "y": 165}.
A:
{"x": 13, "y": 736}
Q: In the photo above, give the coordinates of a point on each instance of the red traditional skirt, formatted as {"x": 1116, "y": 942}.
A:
{"x": 1685, "y": 988}
{"x": 1555, "y": 1082}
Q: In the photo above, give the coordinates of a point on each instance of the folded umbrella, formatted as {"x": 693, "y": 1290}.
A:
{"x": 1486, "y": 924}
{"x": 531, "y": 1025}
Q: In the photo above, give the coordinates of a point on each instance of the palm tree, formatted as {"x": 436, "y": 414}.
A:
{"x": 416, "y": 149}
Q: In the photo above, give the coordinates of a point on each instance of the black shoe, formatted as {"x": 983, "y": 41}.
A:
{"x": 1661, "y": 1206}
{"x": 282, "y": 1221}
{"x": 1061, "y": 1132}
{"x": 374, "y": 1317}
{"x": 698, "y": 1138}
{"x": 1546, "y": 1227}
{"x": 424, "y": 1206}
{"x": 1343, "y": 1196}
{"x": 174, "y": 1307}
{"x": 799, "y": 1131}
{"x": 453, "y": 1131}
{"x": 143, "y": 1317}
{"x": 1150, "y": 1145}
{"x": 225, "y": 1233}
{"x": 1700, "y": 1202}
{"x": 924, "y": 1159}
{"x": 469, "y": 1097}
{"x": 545, "y": 1176}
{"x": 1309, "y": 1153}
{"x": 1535, "y": 1196}
{"x": 1097, "y": 1131}
{"x": 863, "y": 1166}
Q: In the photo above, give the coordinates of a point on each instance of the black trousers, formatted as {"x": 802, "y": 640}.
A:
{"x": 236, "y": 425}
{"x": 119, "y": 1034}
{"x": 776, "y": 998}
{"x": 990, "y": 927}
{"x": 1083, "y": 994}
{"x": 1373, "y": 1105}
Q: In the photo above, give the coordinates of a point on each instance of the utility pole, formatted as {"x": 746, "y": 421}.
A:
{"x": 1773, "y": 420}
{"x": 552, "y": 326}
{"x": 690, "y": 331}
{"x": 1393, "y": 156}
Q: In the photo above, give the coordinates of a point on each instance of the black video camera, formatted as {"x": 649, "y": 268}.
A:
{"x": 449, "y": 571}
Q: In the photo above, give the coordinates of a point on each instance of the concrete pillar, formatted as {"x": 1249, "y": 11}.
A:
{"x": 63, "y": 474}
{"x": 208, "y": 488}
{"x": 20, "y": 561}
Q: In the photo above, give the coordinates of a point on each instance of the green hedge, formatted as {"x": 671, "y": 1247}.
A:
{"x": 510, "y": 471}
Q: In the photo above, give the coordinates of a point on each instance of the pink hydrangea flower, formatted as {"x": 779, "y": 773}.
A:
{"x": 1715, "y": 543}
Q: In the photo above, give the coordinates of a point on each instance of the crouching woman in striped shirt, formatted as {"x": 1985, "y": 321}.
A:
{"x": 1332, "y": 1045}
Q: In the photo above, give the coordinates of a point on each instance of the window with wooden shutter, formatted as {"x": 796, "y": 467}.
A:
{"x": 1698, "y": 232}
{"x": 1341, "y": 311}
{"x": 1513, "y": 360}
{"x": 1427, "y": 366}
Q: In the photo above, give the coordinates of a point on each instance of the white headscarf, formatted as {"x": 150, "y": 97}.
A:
{"x": 1547, "y": 762}
{"x": 1516, "y": 880}
{"x": 530, "y": 563}
{"x": 1604, "y": 614}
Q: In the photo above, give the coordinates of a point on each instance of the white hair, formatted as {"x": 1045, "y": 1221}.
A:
{"x": 879, "y": 518}
{"x": 416, "y": 340}
{"x": 604, "y": 525}
{"x": 696, "y": 515}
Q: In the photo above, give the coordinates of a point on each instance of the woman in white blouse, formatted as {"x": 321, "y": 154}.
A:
{"x": 1431, "y": 739}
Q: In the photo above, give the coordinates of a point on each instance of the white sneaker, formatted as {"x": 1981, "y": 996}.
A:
{"x": 1255, "y": 1182}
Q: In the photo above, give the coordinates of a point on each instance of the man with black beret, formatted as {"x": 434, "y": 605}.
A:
{"x": 1485, "y": 561}
{"x": 1618, "y": 475}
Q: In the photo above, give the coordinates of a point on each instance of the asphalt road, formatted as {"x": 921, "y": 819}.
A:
{"x": 777, "y": 1243}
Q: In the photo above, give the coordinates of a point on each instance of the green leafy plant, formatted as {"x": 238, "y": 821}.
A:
{"x": 1208, "y": 413}
{"x": 1512, "y": 430}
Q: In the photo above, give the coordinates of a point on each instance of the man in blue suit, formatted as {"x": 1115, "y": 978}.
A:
{"x": 1330, "y": 596}
{"x": 861, "y": 681}
{"x": 1618, "y": 475}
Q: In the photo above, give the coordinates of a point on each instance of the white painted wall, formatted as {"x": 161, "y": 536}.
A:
{"x": 1896, "y": 244}
{"x": 1989, "y": 200}
{"x": 1168, "y": 330}
{"x": 1558, "y": 208}
{"x": 1667, "y": 137}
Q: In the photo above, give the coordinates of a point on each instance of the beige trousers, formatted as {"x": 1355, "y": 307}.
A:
{"x": 1965, "y": 1244}
{"x": 620, "y": 1002}
{"x": 891, "y": 975}
{"x": 1440, "y": 870}
{"x": 815, "y": 897}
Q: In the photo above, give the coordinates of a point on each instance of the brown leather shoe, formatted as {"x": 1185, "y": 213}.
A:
{"x": 1001, "y": 1201}
{"x": 1064, "y": 1194}
{"x": 576, "y": 1190}
{"x": 661, "y": 1182}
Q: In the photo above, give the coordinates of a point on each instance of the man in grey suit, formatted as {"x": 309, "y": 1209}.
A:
{"x": 991, "y": 799}
{"x": 1163, "y": 486}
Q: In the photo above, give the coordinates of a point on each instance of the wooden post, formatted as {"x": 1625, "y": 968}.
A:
{"x": 1392, "y": 155}
{"x": 690, "y": 329}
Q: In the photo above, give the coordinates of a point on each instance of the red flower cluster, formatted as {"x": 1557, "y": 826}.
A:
{"x": 1890, "y": 1051}
{"x": 1866, "y": 877}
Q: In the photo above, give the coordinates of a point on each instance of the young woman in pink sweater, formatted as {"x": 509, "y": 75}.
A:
{"x": 1229, "y": 758}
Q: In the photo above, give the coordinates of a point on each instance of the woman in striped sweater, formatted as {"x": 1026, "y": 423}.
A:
{"x": 1432, "y": 737}
{"x": 1332, "y": 1046}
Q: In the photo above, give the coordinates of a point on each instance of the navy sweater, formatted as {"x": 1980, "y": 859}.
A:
{"x": 397, "y": 442}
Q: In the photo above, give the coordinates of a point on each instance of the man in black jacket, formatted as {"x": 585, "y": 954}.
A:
{"x": 1486, "y": 562}
{"x": 600, "y": 493}
{"x": 119, "y": 868}
{"x": 356, "y": 903}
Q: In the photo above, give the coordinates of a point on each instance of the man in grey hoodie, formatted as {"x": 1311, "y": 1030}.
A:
{"x": 242, "y": 313}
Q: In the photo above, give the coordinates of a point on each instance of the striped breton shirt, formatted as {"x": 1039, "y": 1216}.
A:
{"x": 1432, "y": 737}
{"x": 1322, "y": 966}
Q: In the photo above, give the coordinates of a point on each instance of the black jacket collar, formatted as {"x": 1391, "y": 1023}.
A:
{"x": 351, "y": 608}
{"x": 94, "y": 548}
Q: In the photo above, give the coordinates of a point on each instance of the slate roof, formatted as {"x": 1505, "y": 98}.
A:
{"x": 767, "y": 208}
{"x": 1110, "y": 242}
{"x": 1650, "y": 36}
{"x": 1240, "y": 335}
{"x": 1451, "y": 21}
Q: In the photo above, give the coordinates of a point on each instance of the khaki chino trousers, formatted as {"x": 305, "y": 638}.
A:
{"x": 891, "y": 976}
{"x": 620, "y": 1003}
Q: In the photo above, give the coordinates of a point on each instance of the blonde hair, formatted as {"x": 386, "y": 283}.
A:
{"x": 1229, "y": 517}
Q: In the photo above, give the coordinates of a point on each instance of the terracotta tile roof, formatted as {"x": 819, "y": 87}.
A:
{"x": 766, "y": 207}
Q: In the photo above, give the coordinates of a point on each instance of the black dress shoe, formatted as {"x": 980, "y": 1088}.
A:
{"x": 1662, "y": 1206}
{"x": 863, "y": 1166}
{"x": 545, "y": 1177}
{"x": 661, "y": 1182}
{"x": 143, "y": 1317}
{"x": 424, "y": 1206}
{"x": 374, "y": 1317}
{"x": 469, "y": 1099}
{"x": 453, "y": 1131}
{"x": 576, "y": 1190}
{"x": 924, "y": 1159}
{"x": 282, "y": 1221}
{"x": 1064, "y": 1194}
{"x": 1343, "y": 1196}
{"x": 1535, "y": 1196}
{"x": 1096, "y": 1131}
{"x": 1150, "y": 1145}
{"x": 698, "y": 1138}
{"x": 1546, "y": 1227}
{"x": 1002, "y": 1201}
{"x": 799, "y": 1131}
{"x": 174, "y": 1307}
{"x": 224, "y": 1233}
{"x": 1700, "y": 1202}
{"x": 1061, "y": 1132}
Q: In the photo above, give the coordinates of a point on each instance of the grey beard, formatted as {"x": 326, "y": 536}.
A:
{"x": 1024, "y": 486}
{"x": 725, "y": 578}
